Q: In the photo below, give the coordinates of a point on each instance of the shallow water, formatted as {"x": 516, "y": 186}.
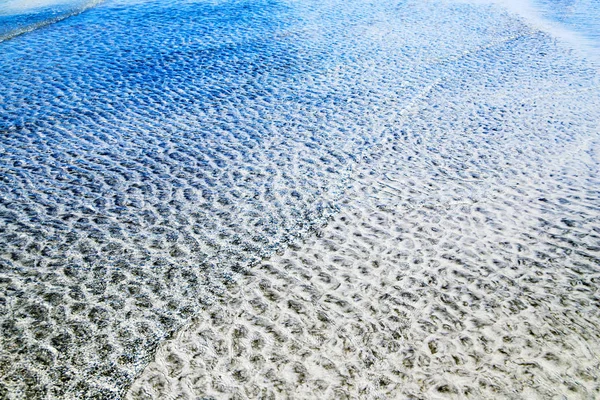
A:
{"x": 581, "y": 16}
{"x": 576, "y": 22}
{"x": 18, "y": 17}
{"x": 152, "y": 151}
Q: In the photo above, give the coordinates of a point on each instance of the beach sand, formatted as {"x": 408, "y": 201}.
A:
{"x": 464, "y": 261}
{"x": 492, "y": 297}
{"x": 298, "y": 199}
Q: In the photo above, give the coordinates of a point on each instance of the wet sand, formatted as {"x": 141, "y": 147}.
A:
{"x": 464, "y": 262}
{"x": 174, "y": 173}
{"x": 487, "y": 297}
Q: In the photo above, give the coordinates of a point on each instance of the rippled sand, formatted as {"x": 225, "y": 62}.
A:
{"x": 465, "y": 261}
{"x": 418, "y": 288}
{"x": 492, "y": 296}
{"x": 459, "y": 145}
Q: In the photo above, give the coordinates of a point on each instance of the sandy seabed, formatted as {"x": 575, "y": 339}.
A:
{"x": 463, "y": 263}
{"x": 458, "y": 143}
{"x": 493, "y": 296}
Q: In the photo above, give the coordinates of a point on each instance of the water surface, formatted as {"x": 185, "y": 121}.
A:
{"x": 582, "y": 16}
{"x": 153, "y": 150}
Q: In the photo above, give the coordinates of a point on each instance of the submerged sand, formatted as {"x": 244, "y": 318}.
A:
{"x": 487, "y": 297}
{"x": 464, "y": 261}
{"x": 170, "y": 151}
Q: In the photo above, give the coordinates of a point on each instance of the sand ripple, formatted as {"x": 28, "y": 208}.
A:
{"x": 493, "y": 296}
{"x": 465, "y": 261}
{"x": 158, "y": 158}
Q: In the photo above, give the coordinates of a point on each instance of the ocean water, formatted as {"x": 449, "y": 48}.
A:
{"x": 579, "y": 16}
{"x": 18, "y": 17}
{"x": 153, "y": 151}
{"x": 575, "y": 22}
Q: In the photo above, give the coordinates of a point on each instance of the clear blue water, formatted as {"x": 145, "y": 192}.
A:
{"x": 18, "y": 17}
{"x": 150, "y": 151}
{"x": 581, "y": 16}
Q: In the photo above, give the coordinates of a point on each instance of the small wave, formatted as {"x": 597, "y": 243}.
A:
{"x": 30, "y": 20}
